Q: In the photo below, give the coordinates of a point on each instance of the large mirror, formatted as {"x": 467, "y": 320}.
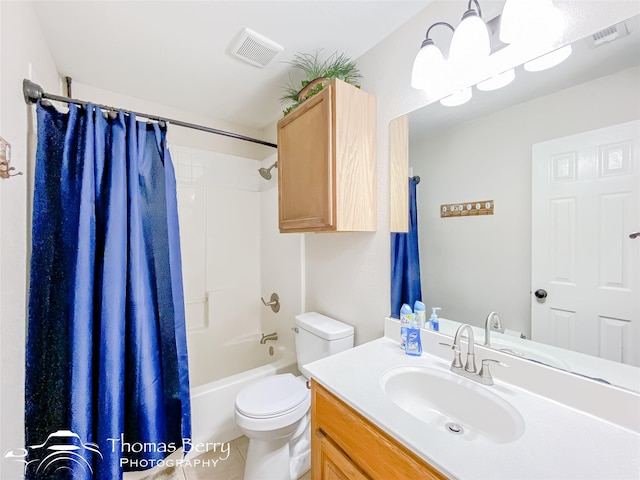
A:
{"x": 485, "y": 150}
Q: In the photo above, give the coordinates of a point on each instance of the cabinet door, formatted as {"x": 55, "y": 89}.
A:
{"x": 305, "y": 167}
{"x": 332, "y": 464}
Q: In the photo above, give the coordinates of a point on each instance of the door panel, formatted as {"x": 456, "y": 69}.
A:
{"x": 585, "y": 204}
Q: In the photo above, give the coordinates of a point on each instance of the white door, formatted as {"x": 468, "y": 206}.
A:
{"x": 585, "y": 208}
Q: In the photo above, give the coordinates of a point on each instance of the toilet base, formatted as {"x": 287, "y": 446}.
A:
{"x": 285, "y": 458}
{"x": 267, "y": 459}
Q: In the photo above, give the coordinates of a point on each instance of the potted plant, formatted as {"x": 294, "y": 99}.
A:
{"x": 317, "y": 74}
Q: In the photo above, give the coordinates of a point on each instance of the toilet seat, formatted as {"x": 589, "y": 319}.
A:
{"x": 271, "y": 397}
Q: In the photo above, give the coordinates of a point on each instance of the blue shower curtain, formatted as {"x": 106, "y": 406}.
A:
{"x": 405, "y": 260}
{"x": 106, "y": 360}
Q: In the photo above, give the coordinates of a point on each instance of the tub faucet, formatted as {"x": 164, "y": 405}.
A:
{"x": 491, "y": 322}
{"x": 267, "y": 337}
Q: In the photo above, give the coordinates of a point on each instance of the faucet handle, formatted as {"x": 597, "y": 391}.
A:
{"x": 457, "y": 361}
{"x": 484, "y": 370}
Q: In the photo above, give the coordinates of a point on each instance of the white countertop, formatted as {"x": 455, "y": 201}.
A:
{"x": 558, "y": 441}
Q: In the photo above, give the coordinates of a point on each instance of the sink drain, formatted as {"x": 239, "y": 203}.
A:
{"x": 454, "y": 428}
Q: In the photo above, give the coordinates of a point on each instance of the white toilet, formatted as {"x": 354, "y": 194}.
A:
{"x": 274, "y": 412}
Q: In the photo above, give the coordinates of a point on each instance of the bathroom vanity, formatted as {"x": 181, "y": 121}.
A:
{"x": 378, "y": 413}
{"x": 345, "y": 445}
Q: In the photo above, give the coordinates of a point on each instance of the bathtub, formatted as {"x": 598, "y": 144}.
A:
{"x": 213, "y": 403}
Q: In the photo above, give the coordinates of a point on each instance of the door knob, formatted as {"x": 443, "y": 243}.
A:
{"x": 540, "y": 293}
{"x": 634, "y": 235}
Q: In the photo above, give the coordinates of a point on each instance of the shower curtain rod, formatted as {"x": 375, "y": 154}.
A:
{"x": 34, "y": 92}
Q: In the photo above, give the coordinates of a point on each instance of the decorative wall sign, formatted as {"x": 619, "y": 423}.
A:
{"x": 467, "y": 209}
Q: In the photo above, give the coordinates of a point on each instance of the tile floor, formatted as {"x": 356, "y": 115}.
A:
{"x": 204, "y": 468}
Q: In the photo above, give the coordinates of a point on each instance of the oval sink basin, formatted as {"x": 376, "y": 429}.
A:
{"x": 446, "y": 401}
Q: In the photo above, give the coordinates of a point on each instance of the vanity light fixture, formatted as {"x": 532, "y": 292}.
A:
{"x": 429, "y": 64}
{"x": 458, "y": 98}
{"x": 529, "y": 20}
{"x": 498, "y": 81}
{"x": 470, "y": 43}
{"x": 469, "y": 46}
{"x": 548, "y": 60}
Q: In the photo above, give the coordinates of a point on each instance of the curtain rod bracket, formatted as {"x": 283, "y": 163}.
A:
{"x": 32, "y": 91}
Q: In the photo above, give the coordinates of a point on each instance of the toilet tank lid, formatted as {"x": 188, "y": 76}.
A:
{"x": 324, "y": 327}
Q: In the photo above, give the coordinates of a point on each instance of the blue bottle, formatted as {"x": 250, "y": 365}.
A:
{"x": 406, "y": 316}
{"x": 419, "y": 314}
{"x": 434, "y": 323}
{"x": 414, "y": 342}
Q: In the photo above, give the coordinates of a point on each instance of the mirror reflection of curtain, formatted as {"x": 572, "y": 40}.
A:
{"x": 106, "y": 343}
{"x": 405, "y": 259}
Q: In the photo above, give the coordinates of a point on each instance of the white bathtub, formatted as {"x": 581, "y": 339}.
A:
{"x": 213, "y": 403}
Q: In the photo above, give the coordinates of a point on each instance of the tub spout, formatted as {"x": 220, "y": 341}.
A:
{"x": 267, "y": 337}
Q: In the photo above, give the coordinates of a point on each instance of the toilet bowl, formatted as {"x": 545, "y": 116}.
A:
{"x": 274, "y": 412}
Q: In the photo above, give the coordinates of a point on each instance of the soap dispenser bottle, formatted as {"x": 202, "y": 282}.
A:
{"x": 434, "y": 323}
{"x": 414, "y": 342}
{"x": 420, "y": 314}
{"x": 406, "y": 316}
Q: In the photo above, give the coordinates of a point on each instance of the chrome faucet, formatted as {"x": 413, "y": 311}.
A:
{"x": 491, "y": 322}
{"x": 470, "y": 365}
{"x": 267, "y": 337}
{"x": 470, "y": 370}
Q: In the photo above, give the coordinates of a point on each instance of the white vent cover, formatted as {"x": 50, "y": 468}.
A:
{"x": 610, "y": 34}
{"x": 255, "y": 49}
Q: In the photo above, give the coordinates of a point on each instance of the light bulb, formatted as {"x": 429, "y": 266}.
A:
{"x": 427, "y": 66}
{"x": 529, "y": 21}
{"x": 548, "y": 60}
{"x": 501, "y": 80}
{"x": 470, "y": 42}
{"x": 458, "y": 98}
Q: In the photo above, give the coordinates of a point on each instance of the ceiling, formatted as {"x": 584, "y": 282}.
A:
{"x": 176, "y": 52}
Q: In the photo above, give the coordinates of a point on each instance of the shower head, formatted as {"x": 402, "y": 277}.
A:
{"x": 266, "y": 172}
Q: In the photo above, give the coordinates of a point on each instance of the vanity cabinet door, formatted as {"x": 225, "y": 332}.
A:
{"x": 330, "y": 463}
{"x": 341, "y": 439}
{"x": 327, "y": 162}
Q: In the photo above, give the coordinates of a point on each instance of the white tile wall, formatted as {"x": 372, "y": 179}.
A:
{"x": 232, "y": 254}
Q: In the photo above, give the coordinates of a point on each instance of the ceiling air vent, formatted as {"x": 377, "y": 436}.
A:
{"x": 610, "y": 34}
{"x": 255, "y": 49}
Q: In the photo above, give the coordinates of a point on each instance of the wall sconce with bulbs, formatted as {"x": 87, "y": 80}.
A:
{"x": 521, "y": 24}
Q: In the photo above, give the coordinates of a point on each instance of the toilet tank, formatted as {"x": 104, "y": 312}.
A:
{"x": 318, "y": 336}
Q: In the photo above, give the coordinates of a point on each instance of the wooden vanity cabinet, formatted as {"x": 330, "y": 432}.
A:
{"x": 327, "y": 162}
{"x": 345, "y": 445}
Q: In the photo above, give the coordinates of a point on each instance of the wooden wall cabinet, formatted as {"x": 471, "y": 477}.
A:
{"x": 327, "y": 162}
{"x": 399, "y": 174}
{"x": 345, "y": 445}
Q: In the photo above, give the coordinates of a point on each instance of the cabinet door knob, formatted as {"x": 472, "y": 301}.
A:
{"x": 540, "y": 293}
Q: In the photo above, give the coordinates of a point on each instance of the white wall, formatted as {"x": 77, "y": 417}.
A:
{"x": 282, "y": 260}
{"x": 474, "y": 265}
{"x": 348, "y": 274}
{"x": 181, "y": 135}
{"x": 24, "y": 54}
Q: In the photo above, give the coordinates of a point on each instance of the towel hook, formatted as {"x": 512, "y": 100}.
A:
{"x": 274, "y": 302}
{"x": 5, "y": 158}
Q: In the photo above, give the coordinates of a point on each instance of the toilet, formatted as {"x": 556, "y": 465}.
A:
{"x": 274, "y": 412}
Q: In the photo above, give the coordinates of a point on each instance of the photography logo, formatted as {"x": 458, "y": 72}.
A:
{"x": 62, "y": 450}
